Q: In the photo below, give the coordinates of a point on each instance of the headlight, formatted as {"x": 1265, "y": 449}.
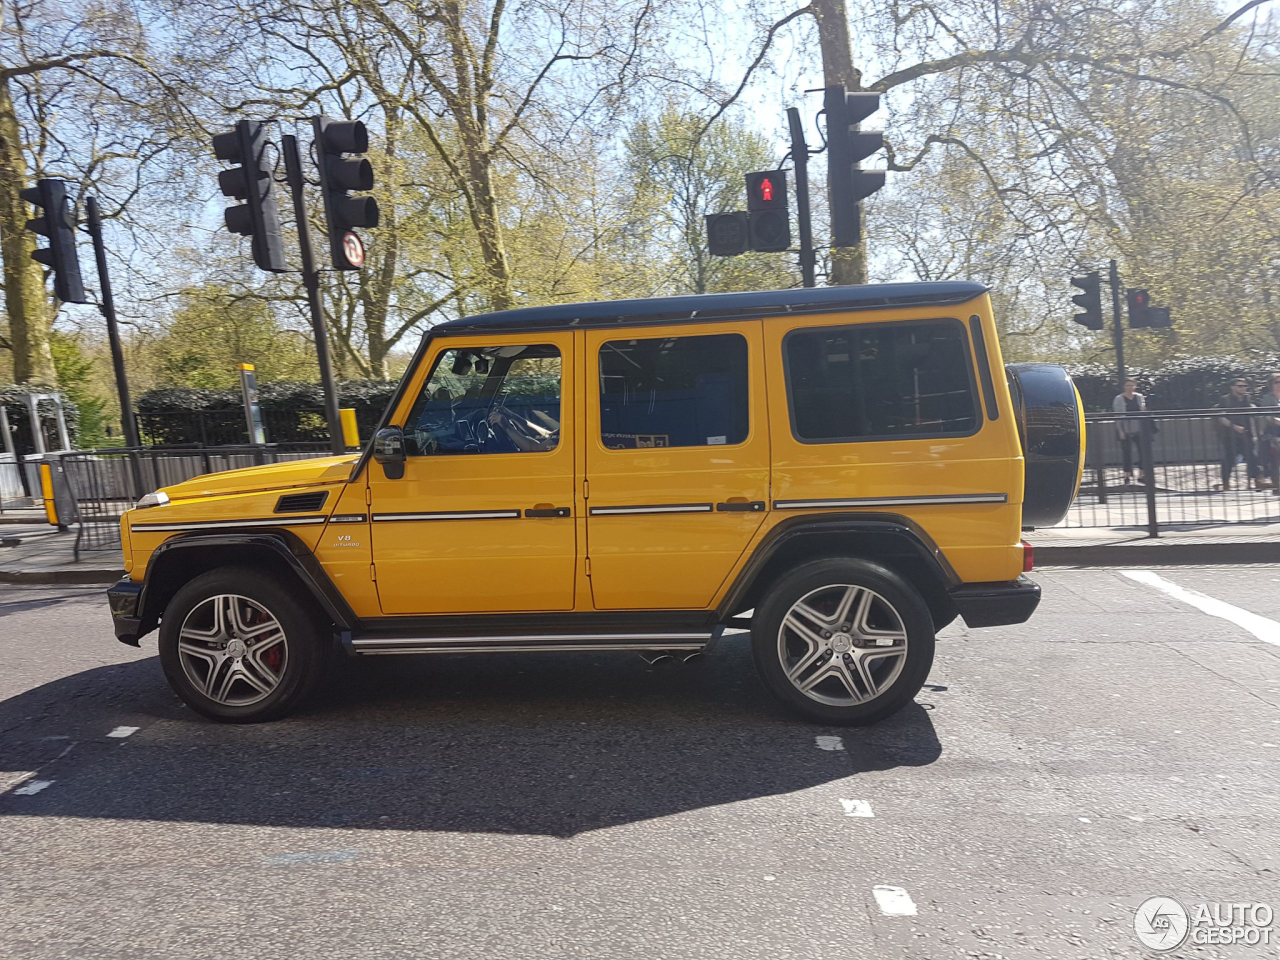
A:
{"x": 157, "y": 499}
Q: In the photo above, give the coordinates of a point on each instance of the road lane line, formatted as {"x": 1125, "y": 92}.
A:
{"x": 1268, "y": 631}
{"x": 32, "y": 787}
{"x": 856, "y": 808}
{"x": 894, "y": 901}
{"x": 829, "y": 743}
{"x": 122, "y": 732}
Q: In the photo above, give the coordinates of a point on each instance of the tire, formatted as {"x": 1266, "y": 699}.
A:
{"x": 278, "y": 651}
{"x": 853, "y": 676}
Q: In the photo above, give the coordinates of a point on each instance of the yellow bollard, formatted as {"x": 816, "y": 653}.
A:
{"x": 46, "y": 493}
{"x": 350, "y": 431}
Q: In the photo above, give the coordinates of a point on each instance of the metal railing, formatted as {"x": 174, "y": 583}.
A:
{"x": 1202, "y": 472}
{"x": 105, "y": 483}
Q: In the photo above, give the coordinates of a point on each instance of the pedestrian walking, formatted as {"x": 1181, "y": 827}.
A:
{"x": 1129, "y": 400}
{"x": 1237, "y": 435}
{"x": 1269, "y": 434}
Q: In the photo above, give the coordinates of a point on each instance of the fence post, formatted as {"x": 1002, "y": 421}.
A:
{"x": 1149, "y": 476}
{"x": 1099, "y": 459}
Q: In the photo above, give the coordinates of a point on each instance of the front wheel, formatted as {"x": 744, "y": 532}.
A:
{"x": 843, "y": 641}
{"x": 237, "y": 646}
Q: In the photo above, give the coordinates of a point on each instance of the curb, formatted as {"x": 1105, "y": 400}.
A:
{"x": 1159, "y": 554}
{"x": 89, "y": 576}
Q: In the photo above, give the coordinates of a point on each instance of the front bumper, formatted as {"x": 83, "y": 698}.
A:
{"x": 997, "y": 604}
{"x": 124, "y": 599}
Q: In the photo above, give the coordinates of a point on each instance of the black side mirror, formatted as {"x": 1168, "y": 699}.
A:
{"x": 388, "y": 450}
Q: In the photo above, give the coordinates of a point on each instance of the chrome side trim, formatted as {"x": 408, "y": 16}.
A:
{"x": 892, "y": 501}
{"x": 370, "y": 646}
{"x": 349, "y": 518}
{"x": 281, "y": 521}
{"x": 448, "y": 515}
{"x": 652, "y": 508}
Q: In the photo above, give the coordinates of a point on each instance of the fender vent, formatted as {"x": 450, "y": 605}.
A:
{"x": 301, "y": 502}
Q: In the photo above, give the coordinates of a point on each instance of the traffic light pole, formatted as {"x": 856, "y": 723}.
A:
{"x": 311, "y": 280}
{"x": 1117, "y": 331}
{"x": 800, "y": 157}
{"x": 128, "y": 423}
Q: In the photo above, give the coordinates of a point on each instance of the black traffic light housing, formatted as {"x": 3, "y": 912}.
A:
{"x": 58, "y": 224}
{"x": 728, "y": 234}
{"x": 1090, "y": 301}
{"x": 250, "y": 181}
{"x": 769, "y": 219}
{"x": 1139, "y": 303}
{"x": 340, "y": 175}
{"x": 847, "y": 146}
{"x": 1159, "y": 317}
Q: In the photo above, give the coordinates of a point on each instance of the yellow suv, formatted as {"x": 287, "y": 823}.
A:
{"x": 840, "y": 470}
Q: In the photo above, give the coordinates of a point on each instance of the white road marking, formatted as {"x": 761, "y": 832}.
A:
{"x": 122, "y": 732}
{"x": 1266, "y": 630}
{"x": 32, "y": 787}
{"x": 856, "y": 808}
{"x": 894, "y": 901}
{"x": 829, "y": 743}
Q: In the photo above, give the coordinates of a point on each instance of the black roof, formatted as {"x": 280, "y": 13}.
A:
{"x": 717, "y": 306}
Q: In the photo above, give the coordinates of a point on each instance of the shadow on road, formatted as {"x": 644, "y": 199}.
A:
{"x": 549, "y": 744}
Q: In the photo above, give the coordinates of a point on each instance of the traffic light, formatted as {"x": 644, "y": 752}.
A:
{"x": 339, "y": 176}
{"x": 1090, "y": 301}
{"x": 1138, "y": 302}
{"x": 250, "y": 180}
{"x": 847, "y": 146}
{"x": 56, "y": 223}
{"x": 727, "y": 233}
{"x": 1159, "y": 317}
{"x": 768, "y": 220}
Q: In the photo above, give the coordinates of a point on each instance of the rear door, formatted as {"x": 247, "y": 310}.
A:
{"x": 677, "y": 461}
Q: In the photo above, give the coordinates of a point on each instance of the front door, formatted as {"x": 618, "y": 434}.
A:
{"x": 677, "y": 445}
{"x": 482, "y": 520}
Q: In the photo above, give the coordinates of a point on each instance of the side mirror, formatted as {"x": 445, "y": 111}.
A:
{"x": 388, "y": 450}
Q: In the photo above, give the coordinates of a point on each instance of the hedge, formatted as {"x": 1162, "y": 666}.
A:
{"x": 1186, "y": 384}
{"x": 294, "y": 412}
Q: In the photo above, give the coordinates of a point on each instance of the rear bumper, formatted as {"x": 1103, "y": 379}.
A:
{"x": 997, "y": 604}
{"x": 123, "y": 599}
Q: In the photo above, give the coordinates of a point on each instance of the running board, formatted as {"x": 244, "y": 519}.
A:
{"x": 374, "y": 645}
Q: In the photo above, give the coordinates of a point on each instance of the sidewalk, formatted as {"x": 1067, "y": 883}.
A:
{"x": 1131, "y": 547}
{"x": 39, "y": 553}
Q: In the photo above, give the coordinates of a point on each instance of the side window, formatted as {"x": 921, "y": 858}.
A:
{"x": 673, "y": 392}
{"x": 488, "y": 400}
{"x": 880, "y": 381}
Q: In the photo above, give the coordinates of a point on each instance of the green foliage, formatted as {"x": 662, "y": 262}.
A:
{"x": 214, "y": 331}
{"x": 681, "y": 170}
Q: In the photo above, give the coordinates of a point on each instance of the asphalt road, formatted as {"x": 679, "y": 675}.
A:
{"x": 1124, "y": 744}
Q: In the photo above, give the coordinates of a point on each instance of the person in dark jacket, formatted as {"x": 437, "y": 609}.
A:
{"x": 1237, "y": 435}
{"x": 1269, "y": 435}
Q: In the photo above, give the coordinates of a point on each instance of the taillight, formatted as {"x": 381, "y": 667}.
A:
{"x": 1028, "y": 557}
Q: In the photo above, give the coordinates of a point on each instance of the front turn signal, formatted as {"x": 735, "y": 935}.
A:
{"x": 157, "y": 499}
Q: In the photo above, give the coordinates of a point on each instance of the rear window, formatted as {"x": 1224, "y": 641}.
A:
{"x": 880, "y": 381}
{"x": 673, "y": 392}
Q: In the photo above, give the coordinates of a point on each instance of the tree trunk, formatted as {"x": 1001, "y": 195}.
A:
{"x": 848, "y": 264}
{"x": 24, "y": 294}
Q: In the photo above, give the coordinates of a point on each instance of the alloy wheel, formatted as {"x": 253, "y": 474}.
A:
{"x": 233, "y": 650}
{"x": 842, "y": 644}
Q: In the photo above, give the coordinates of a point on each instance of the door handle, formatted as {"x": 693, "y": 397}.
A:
{"x": 740, "y": 506}
{"x": 542, "y": 512}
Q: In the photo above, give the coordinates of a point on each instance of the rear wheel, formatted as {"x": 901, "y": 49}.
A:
{"x": 843, "y": 641}
{"x": 237, "y": 646}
